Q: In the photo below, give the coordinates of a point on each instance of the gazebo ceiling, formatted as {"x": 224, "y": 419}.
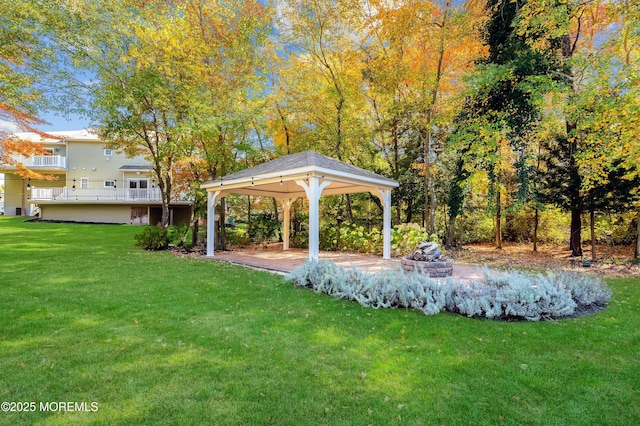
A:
{"x": 277, "y": 178}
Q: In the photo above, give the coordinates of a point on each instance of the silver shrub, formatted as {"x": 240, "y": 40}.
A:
{"x": 517, "y": 295}
{"x": 587, "y": 291}
{"x": 500, "y": 295}
{"x": 386, "y": 289}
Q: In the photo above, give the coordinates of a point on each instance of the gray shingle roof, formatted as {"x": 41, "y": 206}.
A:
{"x": 299, "y": 160}
{"x": 129, "y": 167}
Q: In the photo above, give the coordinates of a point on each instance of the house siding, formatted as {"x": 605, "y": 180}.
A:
{"x": 108, "y": 213}
{"x": 78, "y": 193}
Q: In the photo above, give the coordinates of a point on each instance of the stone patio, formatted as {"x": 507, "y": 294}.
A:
{"x": 282, "y": 262}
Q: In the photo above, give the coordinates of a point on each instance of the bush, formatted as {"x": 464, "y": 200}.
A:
{"x": 300, "y": 240}
{"x": 153, "y": 238}
{"x": 238, "y": 236}
{"x": 385, "y": 289}
{"x": 176, "y": 233}
{"x": 405, "y": 238}
{"x": 263, "y": 227}
{"x": 352, "y": 238}
{"x": 513, "y": 295}
{"x": 502, "y": 295}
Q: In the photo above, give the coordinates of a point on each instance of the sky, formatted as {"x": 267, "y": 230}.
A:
{"x": 58, "y": 123}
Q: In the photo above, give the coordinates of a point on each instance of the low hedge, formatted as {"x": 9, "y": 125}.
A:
{"x": 508, "y": 295}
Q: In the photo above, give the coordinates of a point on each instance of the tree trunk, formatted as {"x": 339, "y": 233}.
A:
{"x": 575, "y": 242}
{"x": 222, "y": 231}
{"x": 426, "y": 154}
{"x": 592, "y": 225}
{"x": 165, "y": 212}
{"x": 409, "y": 212}
{"x": 575, "y": 181}
{"x": 275, "y": 209}
{"x": 195, "y": 226}
{"x": 248, "y": 212}
{"x": 434, "y": 205}
{"x": 164, "y": 184}
{"x": 637, "y": 253}
{"x": 536, "y": 221}
{"x": 451, "y": 232}
{"x": 498, "y": 221}
{"x": 349, "y": 209}
{"x": 396, "y": 158}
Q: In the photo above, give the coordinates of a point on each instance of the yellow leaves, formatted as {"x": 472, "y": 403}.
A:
{"x": 168, "y": 44}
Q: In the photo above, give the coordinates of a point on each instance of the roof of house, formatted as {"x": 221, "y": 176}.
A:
{"x": 134, "y": 168}
{"x": 83, "y": 135}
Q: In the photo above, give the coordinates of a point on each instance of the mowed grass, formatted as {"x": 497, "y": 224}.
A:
{"x": 85, "y": 316}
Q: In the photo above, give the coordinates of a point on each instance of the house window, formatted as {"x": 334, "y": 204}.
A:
{"x": 84, "y": 182}
{"x": 109, "y": 183}
{"x": 108, "y": 152}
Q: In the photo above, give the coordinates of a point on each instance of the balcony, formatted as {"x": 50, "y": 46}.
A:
{"x": 46, "y": 162}
{"x": 95, "y": 194}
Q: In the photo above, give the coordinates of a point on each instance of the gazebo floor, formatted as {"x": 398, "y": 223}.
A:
{"x": 280, "y": 261}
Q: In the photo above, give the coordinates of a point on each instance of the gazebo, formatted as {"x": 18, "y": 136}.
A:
{"x": 305, "y": 174}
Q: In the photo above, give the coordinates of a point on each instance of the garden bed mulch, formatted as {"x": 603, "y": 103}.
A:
{"x": 617, "y": 264}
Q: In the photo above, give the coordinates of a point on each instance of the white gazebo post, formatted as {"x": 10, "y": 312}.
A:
{"x": 385, "y": 199}
{"x": 314, "y": 190}
{"x": 212, "y": 201}
{"x": 286, "y": 219}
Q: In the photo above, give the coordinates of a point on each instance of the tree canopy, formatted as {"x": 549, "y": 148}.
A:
{"x": 530, "y": 104}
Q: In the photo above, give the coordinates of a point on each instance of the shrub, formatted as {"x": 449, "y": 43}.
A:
{"x": 352, "y": 238}
{"x": 300, "y": 240}
{"x": 516, "y": 295}
{"x": 263, "y": 227}
{"x": 238, "y": 236}
{"x": 502, "y": 295}
{"x": 512, "y": 295}
{"x": 176, "y": 233}
{"x": 385, "y": 289}
{"x": 153, "y": 238}
{"x": 405, "y": 238}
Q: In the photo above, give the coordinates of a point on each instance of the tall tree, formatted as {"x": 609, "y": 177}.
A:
{"x": 413, "y": 80}
{"x": 327, "y": 70}
{"x": 170, "y": 76}
{"x": 26, "y": 65}
{"x": 501, "y": 113}
{"x": 574, "y": 31}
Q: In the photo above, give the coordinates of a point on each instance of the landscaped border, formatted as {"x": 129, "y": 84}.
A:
{"x": 507, "y": 296}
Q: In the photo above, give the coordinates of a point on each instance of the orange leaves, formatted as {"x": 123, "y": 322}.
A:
{"x": 14, "y": 151}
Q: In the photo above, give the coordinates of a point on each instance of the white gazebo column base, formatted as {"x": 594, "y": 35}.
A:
{"x": 385, "y": 198}
{"x": 314, "y": 190}
{"x": 213, "y": 197}
{"x": 286, "y": 221}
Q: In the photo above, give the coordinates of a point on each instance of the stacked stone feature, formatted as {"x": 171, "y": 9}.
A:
{"x": 427, "y": 258}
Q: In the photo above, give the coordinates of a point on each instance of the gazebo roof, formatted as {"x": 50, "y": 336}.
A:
{"x": 277, "y": 178}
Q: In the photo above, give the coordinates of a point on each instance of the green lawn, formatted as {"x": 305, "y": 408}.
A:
{"x": 85, "y": 316}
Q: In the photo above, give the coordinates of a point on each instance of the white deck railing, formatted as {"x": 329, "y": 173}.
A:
{"x": 95, "y": 194}
{"x": 47, "y": 161}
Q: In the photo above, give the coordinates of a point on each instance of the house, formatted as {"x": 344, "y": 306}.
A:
{"x": 91, "y": 184}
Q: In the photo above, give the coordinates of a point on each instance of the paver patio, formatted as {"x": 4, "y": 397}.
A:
{"x": 278, "y": 261}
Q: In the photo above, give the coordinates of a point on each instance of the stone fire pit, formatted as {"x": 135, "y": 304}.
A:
{"x": 427, "y": 258}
